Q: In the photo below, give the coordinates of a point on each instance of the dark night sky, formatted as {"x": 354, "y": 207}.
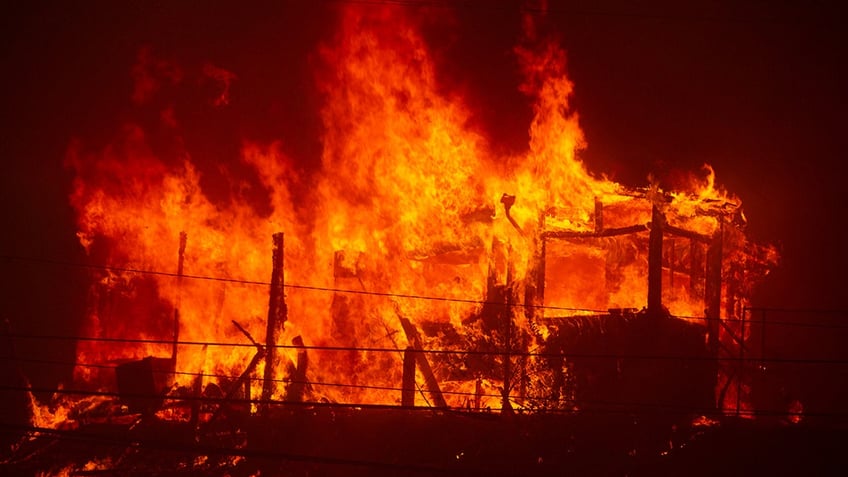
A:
{"x": 754, "y": 88}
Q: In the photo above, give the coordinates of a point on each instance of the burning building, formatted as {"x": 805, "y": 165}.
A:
{"x": 417, "y": 267}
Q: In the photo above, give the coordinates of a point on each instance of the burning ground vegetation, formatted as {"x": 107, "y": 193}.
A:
{"x": 413, "y": 269}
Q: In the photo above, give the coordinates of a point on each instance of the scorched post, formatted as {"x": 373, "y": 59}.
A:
{"x": 276, "y": 320}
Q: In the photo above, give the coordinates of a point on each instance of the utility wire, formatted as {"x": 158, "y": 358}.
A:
{"x": 495, "y": 352}
{"x": 290, "y": 285}
{"x": 233, "y": 378}
{"x": 281, "y": 381}
{"x": 583, "y": 312}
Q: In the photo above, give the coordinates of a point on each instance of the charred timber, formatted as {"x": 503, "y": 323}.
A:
{"x": 298, "y": 382}
{"x": 197, "y": 392}
{"x": 535, "y": 293}
{"x": 276, "y": 317}
{"x": 506, "y": 318}
{"x": 632, "y": 229}
{"x": 599, "y": 215}
{"x": 655, "y": 246}
{"x": 508, "y": 201}
{"x": 180, "y": 262}
{"x": 241, "y": 386}
{"x": 672, "y": 230}
{"x": 712, "y": 287}
{"x": 712, "y": 295}
{"x": 407, "y": 397}
{"x": 696, "y": 268}
{"x": 429, "y": 378}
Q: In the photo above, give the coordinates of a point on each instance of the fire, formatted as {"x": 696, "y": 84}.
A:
{"x": 409, "y": 217}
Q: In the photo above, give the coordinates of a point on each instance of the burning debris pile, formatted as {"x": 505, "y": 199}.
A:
{"x": 419, "y": 270}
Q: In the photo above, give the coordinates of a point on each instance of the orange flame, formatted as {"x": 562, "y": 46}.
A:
{"x": 409, "y": 201}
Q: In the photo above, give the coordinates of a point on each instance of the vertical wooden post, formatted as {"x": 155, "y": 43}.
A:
{"x": 541, "y": 275}
{"x": 523, "y": 378}
{"x": 655, "y": 243}
{"x": 556, "y": 363}
{"x": 505, "y": 317}
{"x": 712, "y": 288}
{"x": 197, "y": 390}
{"x": 180, "y": 260}
{"x": 740, "y": 375}
{"x": 478, "y": 394}
{"x": 671, "y": 257}
{"x": 276, "y": 319}
{"x": 712, "y": 294}
{"x": 599, "y": 216}
{"x": 696, "y": 268}
{"x": 506, "y": 405}
{"x": 297, "y": 381}
{"x": 534, "y": 284}
{"x": 407, "y": 396}
{"x": 426, "y": 371}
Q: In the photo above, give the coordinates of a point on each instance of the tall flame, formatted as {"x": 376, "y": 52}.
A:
{"x": 409, "y": 201}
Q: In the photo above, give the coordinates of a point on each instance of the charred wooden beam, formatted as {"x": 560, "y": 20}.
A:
{"x": 696, "y": 268}
{"x": 180, "y": 261}
{"x": 742, "y": 366}
{"x": 522, "y": 363}
{"x": 556, "y": 363}
{"x": 243, "y": 382}
{"x": 407, "y": 396}
{"x": 245, "y": 333}
{"x": 733, "y": 279}
{"x": 196, "y": 392}
{"x": 297, "y": 380}
{"x": 631, "y": 229}
{"x": 712, "y": 297}
{"x": 712, "y": 288}
{"x": 540, "y": 271}
{"x": 683, "y": 233}
{"x": 505, "y": 315}
{"x": 506, "y": 405}
{"x": 732, "y": 334}
{"x": 423, "y": 364}
{"x": 599, "y": 216}
{"x": 276, "y": 318}
{"x": 508, "y": 201}
{"x": 671, "y": 257}
{"x": 655, "y": 246}
{"x": 534, "y": 287}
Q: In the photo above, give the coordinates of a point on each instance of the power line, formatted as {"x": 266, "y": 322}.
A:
{"x": 291, "y": 285}
{"x": 582, "y": 311}
{"x": 233, "y": 378}
{"x": 279, "y": 381}
{"x": 471, "y": 352}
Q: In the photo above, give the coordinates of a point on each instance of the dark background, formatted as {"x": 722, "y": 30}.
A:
{"x": 756, "y": 89}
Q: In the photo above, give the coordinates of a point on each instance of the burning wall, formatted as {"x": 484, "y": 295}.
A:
{"x": 411, "y": 216}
